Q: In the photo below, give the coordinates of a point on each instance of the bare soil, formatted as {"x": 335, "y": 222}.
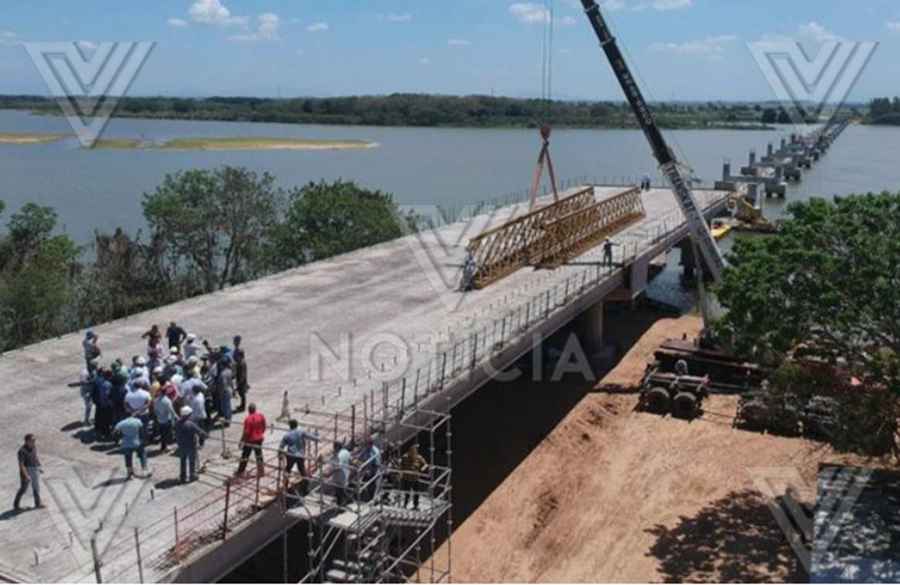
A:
{"x": 611, "y": 494}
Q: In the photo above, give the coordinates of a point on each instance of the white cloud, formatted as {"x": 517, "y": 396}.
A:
{"x": 458, "y": 43}
{"x": 708, "y": 47}
{"x": 405, "y": 17}
{"x": 318, "y": 27}
{"x": 529, "y": 13}
{"x": 214, "y": 12}
{"x": 638, "y": 5}
{"x": 893, "y": 25}
{"x": 672, "y": 4}
{"x": 8, "y": 38}
{"x": 811, "y": 33}
{"x": 267, "y": 27}
{"x": 177, "y": 22}
{"x": 814, "y": 31}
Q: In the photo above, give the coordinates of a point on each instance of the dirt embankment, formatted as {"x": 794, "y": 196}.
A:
{"x": 617, "y": 495}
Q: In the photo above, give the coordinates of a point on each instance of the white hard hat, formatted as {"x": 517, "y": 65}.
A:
{"x": 141, "y": 361}
{"x": 191, "y": 337}
{"x": 186, "y": 411}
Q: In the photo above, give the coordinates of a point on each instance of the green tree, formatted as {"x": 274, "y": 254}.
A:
{"x": 214, "y": 223}
{"x": 35, "y": 276}
{"x": 326, "y": 219}
{"x": 826, "y": 286}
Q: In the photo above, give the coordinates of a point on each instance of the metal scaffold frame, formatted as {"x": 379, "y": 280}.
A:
{"x": 364, "y": 530}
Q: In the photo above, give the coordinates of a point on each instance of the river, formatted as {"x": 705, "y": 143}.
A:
{"x": 102, "y": 189}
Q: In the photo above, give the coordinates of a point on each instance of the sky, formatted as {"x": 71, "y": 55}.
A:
{"x": 681, "y": 49}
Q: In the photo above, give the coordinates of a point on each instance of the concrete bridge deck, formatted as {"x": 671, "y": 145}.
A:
{"x": 390, "y": 308}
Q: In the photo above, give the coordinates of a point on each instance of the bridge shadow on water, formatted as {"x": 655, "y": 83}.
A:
{"x": 496, "y": 428}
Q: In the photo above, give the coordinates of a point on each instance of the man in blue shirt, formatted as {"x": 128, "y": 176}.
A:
{"x": 370, "y": 463}
{"x": 293, "y": 447}
{"x": 131, "y": 430}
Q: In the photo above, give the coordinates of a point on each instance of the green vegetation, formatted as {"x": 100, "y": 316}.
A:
{"x": 824, "y": 292}
{"x": 258, "y": 143}
{"x": 206, "y": 230}
{"x": 420, "y": 110}
{"x": 37, "y": 269}
{"x": 117, "y": 143}
{"x": 884, "y": 111}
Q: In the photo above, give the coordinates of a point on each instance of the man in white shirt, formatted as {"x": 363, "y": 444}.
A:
{"x": 198, "y": 414}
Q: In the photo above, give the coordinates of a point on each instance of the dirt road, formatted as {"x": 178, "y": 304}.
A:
{"x": 617, "y": 495}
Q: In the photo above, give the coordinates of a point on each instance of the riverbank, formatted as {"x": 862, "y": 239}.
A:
{"x": 612, "y": 494}
{"x": 205, "y": 144}
{"x": 29, "y": 138}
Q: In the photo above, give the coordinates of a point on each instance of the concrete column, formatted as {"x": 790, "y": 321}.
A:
{"x": 726, "y": 171}
{"x": 770, "y": 150}
{"x": 687, "y": 258}
{"x": 752, "y": 157}
{"x": 593, "y": 326}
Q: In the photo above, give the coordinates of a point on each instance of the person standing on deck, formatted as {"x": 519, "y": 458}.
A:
{"x": 226, "y": 386}
{"x": 199, "y": 416}
{"x": 608, "y": 246}
{"x": 370, "y": 463}
{"x": 175, "y": 335}
{"x": 252, "y": 440}
{"x": 240, "y": 373}
{"x": 103, "y": 402}
{"x": 92, "y": 351}
{"x": 29, "y": 473}
{"x": 412, "y": 466}
{"x": 187, "y": 434}
{"x": 165, "y": 419}
{"x": 131, "y": 430}
{"x": 293, "y": 449}
{"x": 87, "y": 389}
{"x": 191, "y": 347}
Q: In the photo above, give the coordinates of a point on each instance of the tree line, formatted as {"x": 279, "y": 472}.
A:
{"x": 417, "y": 110}
{"x": 205, "y": 230}
{"x": 818, "y": 304}
{"x": 884, "y": 111}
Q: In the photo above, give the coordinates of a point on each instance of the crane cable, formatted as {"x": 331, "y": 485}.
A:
{"x": 546, "y": 97}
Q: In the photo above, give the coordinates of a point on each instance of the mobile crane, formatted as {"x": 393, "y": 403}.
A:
{"x": 678, "y": 392}
{"x": 701, "y": 237}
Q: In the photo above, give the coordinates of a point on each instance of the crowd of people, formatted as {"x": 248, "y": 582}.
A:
{"x": 173, "y": 394}
{"x": 178, "y": 391}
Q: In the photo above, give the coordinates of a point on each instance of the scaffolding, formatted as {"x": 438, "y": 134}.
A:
{"x": 381, "y": 516}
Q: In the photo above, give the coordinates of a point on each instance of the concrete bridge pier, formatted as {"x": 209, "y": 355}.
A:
{"x": 687, "y": 259}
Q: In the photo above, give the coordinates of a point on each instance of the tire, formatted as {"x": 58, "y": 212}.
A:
{"x": 754, "y": 416}
{"x": 656, "y": 400}
{"x": 684, "y": 405}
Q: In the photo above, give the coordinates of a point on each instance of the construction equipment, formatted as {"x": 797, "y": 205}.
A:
{"x": 549, "y": 236}
{"x": 700, "y": 235}
{"x": 678, "y": 393}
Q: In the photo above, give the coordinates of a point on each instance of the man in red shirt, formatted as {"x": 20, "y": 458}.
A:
{"x": 252, "y": 439}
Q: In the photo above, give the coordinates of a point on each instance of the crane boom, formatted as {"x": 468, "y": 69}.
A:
{"x": 667, "y": 162}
